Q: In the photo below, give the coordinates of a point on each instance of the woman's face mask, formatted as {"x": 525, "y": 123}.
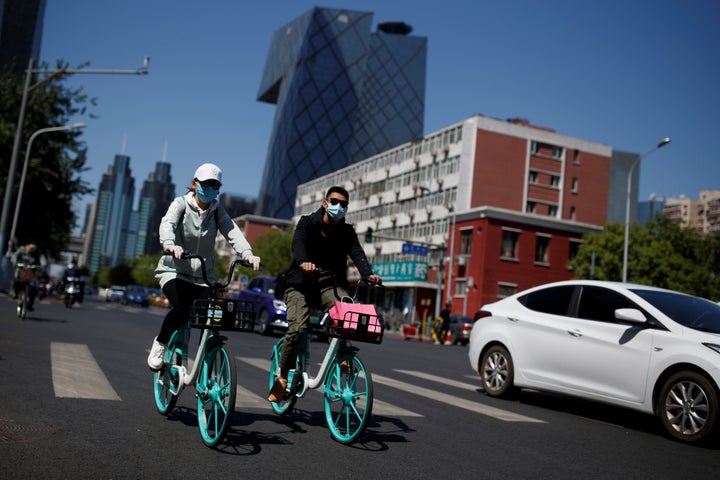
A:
{"x": 207, "y": 193}
{"x": 335, "y": 210}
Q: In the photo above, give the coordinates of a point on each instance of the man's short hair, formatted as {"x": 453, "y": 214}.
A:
{"x": 338, "y": 189}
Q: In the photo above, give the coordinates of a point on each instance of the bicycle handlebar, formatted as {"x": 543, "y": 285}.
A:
{"x": 321, "y": 272}
{"x": 215, "y": 285}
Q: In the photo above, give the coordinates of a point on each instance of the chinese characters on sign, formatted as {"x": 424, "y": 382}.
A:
{"x": 401, "y": 271}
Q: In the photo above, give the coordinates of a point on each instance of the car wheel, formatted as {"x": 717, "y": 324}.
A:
{"x": 264, "y": 323}
{"x": 496, "y": 371}
{"x": 688, "y": 407}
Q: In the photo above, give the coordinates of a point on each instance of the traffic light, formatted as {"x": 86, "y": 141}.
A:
{"x": 368, "y": 235}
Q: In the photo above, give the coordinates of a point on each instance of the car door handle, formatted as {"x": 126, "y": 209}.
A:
{"x": 513, "y": 319}
{"x": 575, "y": 333}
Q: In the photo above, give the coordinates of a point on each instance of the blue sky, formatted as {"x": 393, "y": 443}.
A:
{"x": 623, "y": 73}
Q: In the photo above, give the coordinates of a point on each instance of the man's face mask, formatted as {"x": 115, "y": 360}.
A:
{"x": 336, "y": 209}
{"x": 207, "y": 192}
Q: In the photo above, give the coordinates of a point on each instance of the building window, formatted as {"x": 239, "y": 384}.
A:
{"x": 532, "y": 177}
{"x": 506, "y": 289}
{"x": 576, "y": 159}
{"x": 509, "y": 243}
{"x": 542, "y": 243}
{"x": 557, "y": 152}
{"x": 533, "y": 147}
{"x": 466, "y": 241}
{"x": 461, "y": 285}
{"x": 573, "y": 249}
{"x": 572, "y": 213}
{"x": 554, "y": 181}
{"x": 552, "y": 210}
{"x": 574, "y": 185}
{"x": 530, "y": 207}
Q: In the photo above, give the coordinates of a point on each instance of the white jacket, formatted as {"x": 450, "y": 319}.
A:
{"x": 196, "y": 234}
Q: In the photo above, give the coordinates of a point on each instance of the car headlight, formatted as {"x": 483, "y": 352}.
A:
{"x": 279, "y": 305}
{"x": 713, "y": 346}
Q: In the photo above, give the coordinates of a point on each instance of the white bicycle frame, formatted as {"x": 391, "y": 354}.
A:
{"x": 316, "y": 381}
{"x": 186, "y": 378}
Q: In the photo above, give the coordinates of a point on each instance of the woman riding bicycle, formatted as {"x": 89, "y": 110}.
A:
{"x": 322, "y": 240}
{"x": 191, "y": 224}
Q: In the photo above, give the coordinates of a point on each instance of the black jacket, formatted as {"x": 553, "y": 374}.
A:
{"x": 327, "y": 246}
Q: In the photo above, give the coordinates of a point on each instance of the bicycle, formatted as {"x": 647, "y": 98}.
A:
{"x": 347, "y": 382}
{"x": 25, "y": 275}
{"x": 214, "y": 371}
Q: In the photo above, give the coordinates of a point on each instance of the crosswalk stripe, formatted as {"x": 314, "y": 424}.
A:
{"x": 379, "y": 407}
{"x": 436, "y": 379}
{"x": 76, "y": 374}
{"x": 455, "y": 402}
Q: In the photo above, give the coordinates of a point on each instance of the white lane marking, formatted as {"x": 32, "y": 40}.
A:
{"x": 455, "y": 402}
{"x": 444, "y": 381}
{"x": 76, "y": 374}
{"x": 379, "y": 407}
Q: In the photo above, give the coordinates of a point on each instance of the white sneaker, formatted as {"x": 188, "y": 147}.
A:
{"x": 157, "y": 355}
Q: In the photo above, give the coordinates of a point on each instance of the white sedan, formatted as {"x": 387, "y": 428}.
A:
{"x": 645, "y": 348}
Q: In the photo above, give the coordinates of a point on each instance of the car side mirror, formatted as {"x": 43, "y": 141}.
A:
{"x": 632, "y": 315}
{"x": 256, "y": 289}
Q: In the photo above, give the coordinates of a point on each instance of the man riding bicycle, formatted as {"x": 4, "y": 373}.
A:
{"x": 27, "y": 255}
{"x": 322, "y": 240}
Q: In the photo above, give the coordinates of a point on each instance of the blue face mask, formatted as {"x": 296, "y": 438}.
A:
{"x": 335, "y": 212}
{"x": 208, "y": 194}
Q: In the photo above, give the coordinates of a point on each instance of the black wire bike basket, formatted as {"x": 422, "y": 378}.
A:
{"x": 223, "y": 314}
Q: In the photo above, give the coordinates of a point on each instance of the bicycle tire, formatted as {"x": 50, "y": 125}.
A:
{"x": 22, "y": 306}
{"x": 348, "y": 393}
{"x": 166, "y": 381}
{"x": 216, "y": 387}
{"x": 286, "y": 405}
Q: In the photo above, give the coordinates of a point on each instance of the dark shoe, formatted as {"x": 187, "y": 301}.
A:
{"x": 277, "y": 393}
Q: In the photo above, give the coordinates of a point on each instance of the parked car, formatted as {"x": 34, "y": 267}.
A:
{"x": 270, "y": 312}
{"x": 115, "y": 293}
{"x": 459, "y": 329}
{"x": 136, "y": 295}
{"x": 157, "y": 298}
{"x": 635, "y": 346}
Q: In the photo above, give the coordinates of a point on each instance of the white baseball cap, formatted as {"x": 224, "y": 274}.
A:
{"x": 208, "y": 171}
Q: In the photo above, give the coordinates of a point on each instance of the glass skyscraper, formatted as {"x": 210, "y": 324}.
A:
{"x": 342, "y": 93}
{"x": 21, "y": 28}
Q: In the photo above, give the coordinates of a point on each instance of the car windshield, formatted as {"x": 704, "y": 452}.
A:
{"x": 692, "y": 312}
{"x": 136, "y": 288}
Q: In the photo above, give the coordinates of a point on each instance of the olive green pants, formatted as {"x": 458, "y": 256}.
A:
{"x": 298, "y": 318}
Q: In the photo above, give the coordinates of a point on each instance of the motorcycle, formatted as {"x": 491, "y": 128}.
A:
{"x": 73, "y": 291}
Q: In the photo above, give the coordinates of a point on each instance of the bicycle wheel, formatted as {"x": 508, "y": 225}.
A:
{"x": 22, "y": 303}
{"x": 216, "y": 390}
{"x": 286, "y": 405}
{"x": 166, "y": 381}
{"x": 348, "y": 393}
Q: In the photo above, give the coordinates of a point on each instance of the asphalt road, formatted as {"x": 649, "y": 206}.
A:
{"x": 76, "y": 399}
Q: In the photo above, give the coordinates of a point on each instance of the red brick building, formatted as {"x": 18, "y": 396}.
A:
{"x": 508, "y": 202}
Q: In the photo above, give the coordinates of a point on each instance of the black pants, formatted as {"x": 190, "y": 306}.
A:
{"x": 180, "y": 295}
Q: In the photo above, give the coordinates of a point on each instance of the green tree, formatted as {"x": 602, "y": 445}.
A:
{"x": 660, "y": 253}
{"x": 143, "y": 270}
{"x": 275, "y": 250}
{"x": 56, "y": 161}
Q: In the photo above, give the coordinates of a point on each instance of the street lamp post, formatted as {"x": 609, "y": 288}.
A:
{"x": 5, "y": 267}
{"x": 21, "y": 119}
{"x": 21, "y": 188}
{"x": 662, "y": 143}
